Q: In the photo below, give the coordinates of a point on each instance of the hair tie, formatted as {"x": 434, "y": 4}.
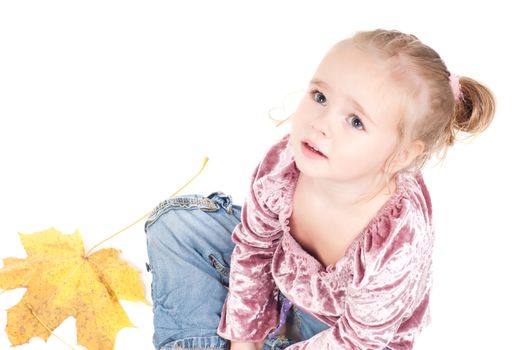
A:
{"x": 456, "y": 88}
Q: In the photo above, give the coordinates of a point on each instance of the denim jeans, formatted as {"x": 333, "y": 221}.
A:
{"x": 189, "y": 251}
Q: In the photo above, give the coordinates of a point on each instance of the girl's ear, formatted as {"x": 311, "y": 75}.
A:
{"x": 407, "y": 155}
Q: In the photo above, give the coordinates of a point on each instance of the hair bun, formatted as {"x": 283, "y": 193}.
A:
{"x": 474, "y": 110}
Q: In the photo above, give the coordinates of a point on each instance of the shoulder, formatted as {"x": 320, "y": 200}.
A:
{"x": 274, "y": 176}
{"x": 277, "y": 157}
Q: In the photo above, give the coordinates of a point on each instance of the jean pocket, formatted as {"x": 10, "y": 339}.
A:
{"x": 221, "y": 268}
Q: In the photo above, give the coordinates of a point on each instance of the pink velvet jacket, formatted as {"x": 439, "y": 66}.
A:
{"x": 376, "y": 295}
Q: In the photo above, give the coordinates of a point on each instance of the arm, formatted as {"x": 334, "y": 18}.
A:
{"x": 250, "y": 310}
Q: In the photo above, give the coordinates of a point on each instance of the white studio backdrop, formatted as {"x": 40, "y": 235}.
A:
{"x": 107, "y": 107}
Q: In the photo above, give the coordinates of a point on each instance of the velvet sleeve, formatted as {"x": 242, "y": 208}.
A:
{"x": 250, "y": 309}
{"x": 389, "y": 293}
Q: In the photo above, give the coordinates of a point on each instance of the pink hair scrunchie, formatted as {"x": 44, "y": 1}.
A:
{"x": 456, "y": 87}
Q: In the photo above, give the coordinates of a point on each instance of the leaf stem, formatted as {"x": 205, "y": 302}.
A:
{"x": 148, "y": 213}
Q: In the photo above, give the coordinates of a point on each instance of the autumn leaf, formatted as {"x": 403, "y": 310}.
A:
{"x": 61, "y": 282}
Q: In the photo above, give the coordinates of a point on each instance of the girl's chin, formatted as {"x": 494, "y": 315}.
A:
{"x": 308, "y": 169}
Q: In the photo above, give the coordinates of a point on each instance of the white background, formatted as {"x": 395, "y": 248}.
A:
{"x": 107, "y": 107}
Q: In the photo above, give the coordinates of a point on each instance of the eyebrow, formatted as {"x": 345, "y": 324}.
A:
{"x": 359, "y": 107}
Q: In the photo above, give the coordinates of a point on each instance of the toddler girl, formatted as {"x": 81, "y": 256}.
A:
{"x": 332, "y": 248}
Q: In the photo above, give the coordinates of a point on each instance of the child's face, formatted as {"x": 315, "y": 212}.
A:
{"x": 350, "y": 116}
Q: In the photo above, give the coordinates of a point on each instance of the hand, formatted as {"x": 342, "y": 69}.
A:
{"x": 246, "y": 346}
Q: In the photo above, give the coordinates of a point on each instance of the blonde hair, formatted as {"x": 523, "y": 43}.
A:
{"x": 424, "y": 76}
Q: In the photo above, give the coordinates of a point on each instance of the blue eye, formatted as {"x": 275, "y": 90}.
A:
{"x": 316, "y": 94}
{"x": 355, "y": 122}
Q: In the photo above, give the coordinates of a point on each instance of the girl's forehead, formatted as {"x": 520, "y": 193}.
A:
{"x": 350, "y": 65}
{"x": 353, "y": 58}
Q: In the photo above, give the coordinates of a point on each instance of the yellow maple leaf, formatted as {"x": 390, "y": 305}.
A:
{"x": 61, "y": 282}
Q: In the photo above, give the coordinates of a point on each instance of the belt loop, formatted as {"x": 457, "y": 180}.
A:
{"x": 222, "y": 199}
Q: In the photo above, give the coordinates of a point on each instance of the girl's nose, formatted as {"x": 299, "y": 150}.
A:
{"x": 321, "y": 124}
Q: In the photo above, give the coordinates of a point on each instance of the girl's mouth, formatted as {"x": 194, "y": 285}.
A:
{"x": 311, "y": 151}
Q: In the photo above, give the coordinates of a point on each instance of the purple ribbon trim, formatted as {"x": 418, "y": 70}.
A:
{"x": 286, "y": 305}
